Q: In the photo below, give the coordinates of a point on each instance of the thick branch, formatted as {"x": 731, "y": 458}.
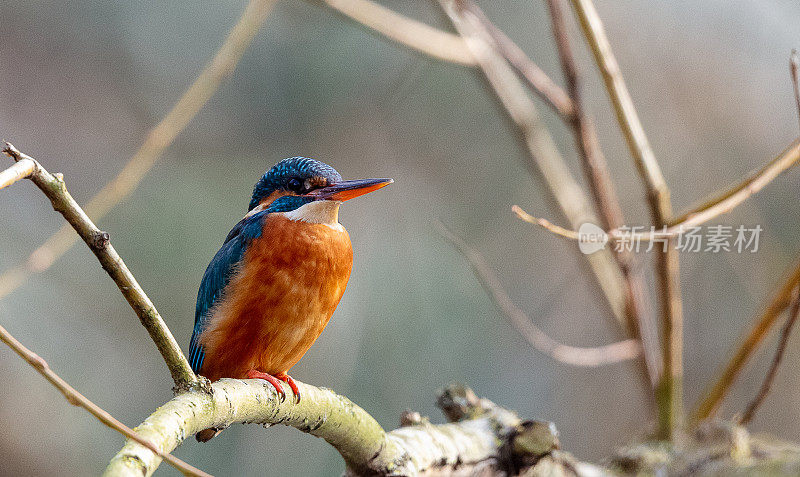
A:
{"x": 367, "y": 449}
{"x": 20, "y": 170}
{"x": 158, "y": 139}
{"x": 98, "y": 241}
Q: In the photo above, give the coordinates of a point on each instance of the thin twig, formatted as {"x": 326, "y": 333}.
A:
{"x": 726, "y": 201}
{"x": 572, "y": 355}
{"x": 761, "y": 326}
{"x": 98, "y": 241}
{"x": 406, "y": 31}
{"x": 794, "y": 65}
{"x": 721, "y": 204}
{"x": 751, "y": 409}
{"x": 77, "y": 399}
{"x": 670, "y": 392}
{"x": 158, "y": 139}
{"x": 595, "y": 168}
{"x": 542, "y": 154}
{"x": 540, "y": 82}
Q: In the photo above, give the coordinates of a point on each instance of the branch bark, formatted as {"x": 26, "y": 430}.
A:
{"x": 98, "y": 241}
{"x": 472, "y": 443}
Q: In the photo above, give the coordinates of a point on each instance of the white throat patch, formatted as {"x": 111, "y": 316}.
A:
{"x": 317, "y": 212}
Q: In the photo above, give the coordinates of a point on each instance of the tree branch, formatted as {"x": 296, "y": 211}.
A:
{"x": 669, "y": 392}
{"x": 77, "y": 399}
{"x": 576, "y": 356}
{"x": 595, "y": 168}
{"x": 98, "y": 241}
{"x": 761, "y": 326}
{"x": 404, "y": 30}
{"x": 18, "y": 171}
{"x": 751, "y": 409}
{"x": 726, "y": 201}
{"x": 158, "y": 139}
{"x": 543, "y": 156}
{"x": 470, "y": 443}
{"x": 535, "y": 77}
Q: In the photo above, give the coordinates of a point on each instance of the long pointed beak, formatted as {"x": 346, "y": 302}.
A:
{"x": 347, "y": 190}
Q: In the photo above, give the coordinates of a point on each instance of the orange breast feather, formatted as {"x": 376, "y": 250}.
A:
{"x": 289, "y": 283}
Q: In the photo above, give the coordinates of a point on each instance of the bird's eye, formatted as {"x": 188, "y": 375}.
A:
{"x": 294, "y": 185}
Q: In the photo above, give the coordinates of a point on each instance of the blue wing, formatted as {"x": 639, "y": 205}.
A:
{"x": 217, "y": 276}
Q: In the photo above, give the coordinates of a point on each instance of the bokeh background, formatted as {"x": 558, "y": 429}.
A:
{"x": 82, "y": 82}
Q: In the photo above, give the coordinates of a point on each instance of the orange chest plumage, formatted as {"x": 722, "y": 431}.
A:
{"x": 287, "y": 286}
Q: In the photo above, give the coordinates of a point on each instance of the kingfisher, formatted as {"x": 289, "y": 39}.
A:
{"x": 270, "y": 290}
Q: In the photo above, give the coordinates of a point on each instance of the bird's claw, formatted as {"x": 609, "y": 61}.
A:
{"x": 253, "y": 374}
{"x": 275, "y": 381}
{"x": 288, "y": 380}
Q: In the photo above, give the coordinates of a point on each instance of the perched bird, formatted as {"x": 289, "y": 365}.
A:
{"x": 270, "y": 290}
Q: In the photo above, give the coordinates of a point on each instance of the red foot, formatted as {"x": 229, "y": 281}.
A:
{"x": 275, "y": 382}
{"x": 288, "y": 379}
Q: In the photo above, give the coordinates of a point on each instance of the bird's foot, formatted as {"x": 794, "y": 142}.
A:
{"x": 275, "y": 381}
{"x": 288, "y": 380}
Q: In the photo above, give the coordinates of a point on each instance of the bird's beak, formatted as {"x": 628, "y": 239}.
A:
{"x": 347, "y": 190}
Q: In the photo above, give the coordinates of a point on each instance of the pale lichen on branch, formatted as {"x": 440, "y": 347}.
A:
{"x": 471, "y": 444}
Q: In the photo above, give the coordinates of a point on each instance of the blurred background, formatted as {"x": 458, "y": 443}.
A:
{"x": 81, "y": 84}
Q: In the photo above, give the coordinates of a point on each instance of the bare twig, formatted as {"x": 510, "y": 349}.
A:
{"x": 158, "y": 139}
{"x": 721, "y": 204}
{"x": 406, "y": 31}
{"x": 572, "y": 355}
{"x": 543, "y": 155}
{"x": 669, "y": 393}
{"x": 77, "y": 399}
{"x": 751, "y": 409}
{"x": 540, "y": 82}
{"x": 794, "y": 65}
{"x": 761, "y": 326}
{"x": 98, "y": 242}
{"x": 595, "y": 168}
{"x": 725, "y": 202}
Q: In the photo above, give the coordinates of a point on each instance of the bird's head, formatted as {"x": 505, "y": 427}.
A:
{"x": 298, "y": 181}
